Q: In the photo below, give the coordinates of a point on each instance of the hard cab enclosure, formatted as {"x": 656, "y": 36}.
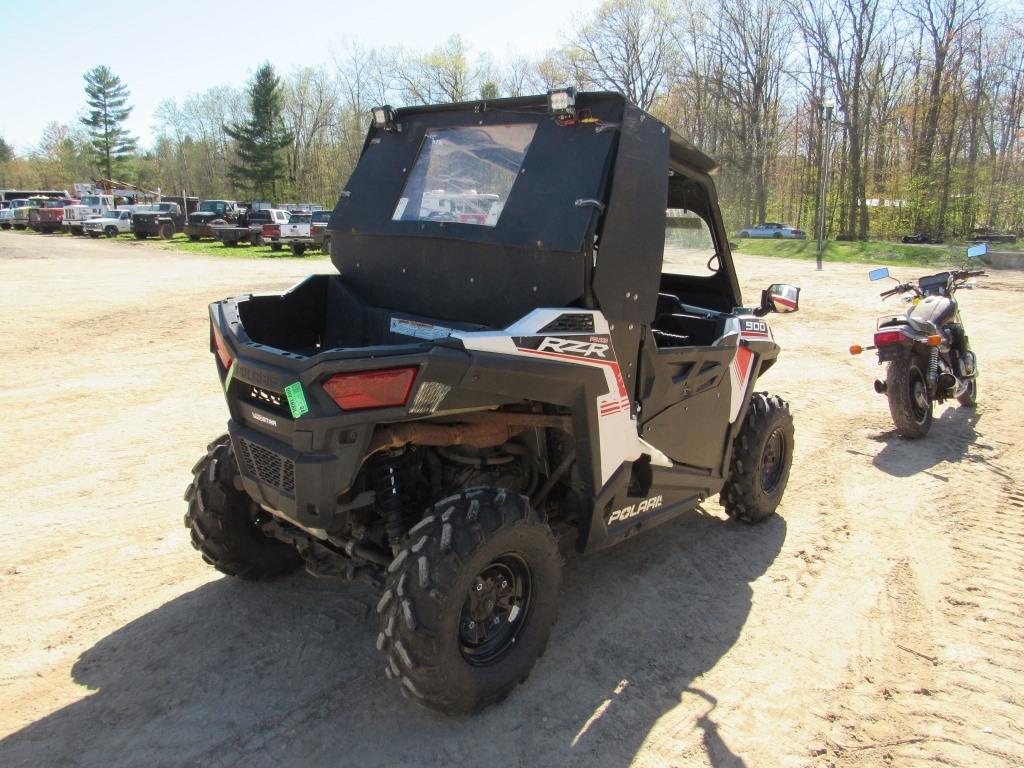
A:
{"x": 560, "y": 283}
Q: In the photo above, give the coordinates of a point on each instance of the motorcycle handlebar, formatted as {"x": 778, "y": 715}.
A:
{"x": 893, "y": 291}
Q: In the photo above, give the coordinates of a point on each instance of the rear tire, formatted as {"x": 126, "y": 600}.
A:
{"x": 94, "y": 235}
{"x": 762, "y": 455}
{"x": 909, "y": 402}
{"x": 470, "y": 601}
{"x": 194, "y": 238}
{"x": 224, "y": 521}
{"x": 298, "y": 249}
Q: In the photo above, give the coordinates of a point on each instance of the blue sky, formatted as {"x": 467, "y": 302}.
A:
{"x": 171, "y": 49}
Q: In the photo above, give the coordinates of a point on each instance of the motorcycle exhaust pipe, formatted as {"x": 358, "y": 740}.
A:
{"x": 881, "y": 387}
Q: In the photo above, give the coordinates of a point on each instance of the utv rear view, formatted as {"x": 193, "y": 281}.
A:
{"x": 535, "y": 339}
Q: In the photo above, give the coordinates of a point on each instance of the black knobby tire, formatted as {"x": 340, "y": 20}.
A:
{"x": 222, "y": 521}
{"x": 762, "y": 455}
{"x": 910, "y": 403}
{"x": 442, "y": 657}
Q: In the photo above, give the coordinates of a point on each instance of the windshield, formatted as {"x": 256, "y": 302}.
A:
{"x": 91, "y": 200}
{"x": 54, "y": 204}
{"x": 464, "y": 175}
{"x": 213, "y": 206}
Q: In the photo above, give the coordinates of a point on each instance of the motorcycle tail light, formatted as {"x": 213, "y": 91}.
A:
{"x": 889, "y": 337}
{"x": 385, "y": 388}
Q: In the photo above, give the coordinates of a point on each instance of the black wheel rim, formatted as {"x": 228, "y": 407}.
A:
{"x": 773, "y": 460}
{"x": 918, "y": 396}
{"x": 495, "y": 610}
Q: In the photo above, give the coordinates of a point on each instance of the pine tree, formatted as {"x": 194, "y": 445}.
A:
{"x": 262, "y": 137}
{"x": 6, "y": 151}
{"x": 106, "y": 96}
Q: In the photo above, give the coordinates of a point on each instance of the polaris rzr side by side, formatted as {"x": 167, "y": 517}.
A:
{"x": 926, "y": 349}
{"x": 535, "y": 340}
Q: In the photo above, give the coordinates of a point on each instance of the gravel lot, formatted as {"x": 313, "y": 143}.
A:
{"x": 877, "y": 621}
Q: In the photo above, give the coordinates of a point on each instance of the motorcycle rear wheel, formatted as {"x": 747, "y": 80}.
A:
{"x": 910, "y": 403}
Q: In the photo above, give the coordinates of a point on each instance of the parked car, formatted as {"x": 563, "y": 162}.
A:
{"x": 296, "y": 233}
{"x": 88, "y": 207}
{"x": 210, "y": 211}
{"x": 112, "y": 224}
{"x": 921, "y": 238}
{"x": 773, "y": 230}
{"x": 162, "y": 219}
{"x": 19, "y": 213}
{"x": 7, "y": 212}
{"x": 49, "y": 217}
{"x": 318, "y": 230}
{"x": 250, "y": 226}
{"x": 986, "y": 235}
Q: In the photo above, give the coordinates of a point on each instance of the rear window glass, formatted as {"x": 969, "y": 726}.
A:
{"x": 464, "y": 175}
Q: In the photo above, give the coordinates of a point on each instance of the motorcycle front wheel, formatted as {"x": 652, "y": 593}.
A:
{"x": 910, "y": 403}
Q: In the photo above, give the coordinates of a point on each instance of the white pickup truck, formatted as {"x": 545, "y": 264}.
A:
{"x": 111, "y": 224}
{"x": 89, "y": 207}
{"x": 296, "y": 233}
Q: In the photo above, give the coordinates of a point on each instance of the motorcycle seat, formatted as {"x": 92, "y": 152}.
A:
{"x": 929, "y": 315}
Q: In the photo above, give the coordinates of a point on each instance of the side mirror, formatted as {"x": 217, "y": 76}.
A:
{"x": 878, "y": 274}
{"x": 977, "y": 251}
{"x": 781, "y": 298}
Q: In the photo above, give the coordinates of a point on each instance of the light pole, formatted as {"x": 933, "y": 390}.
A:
{"x": 827, "y": 106}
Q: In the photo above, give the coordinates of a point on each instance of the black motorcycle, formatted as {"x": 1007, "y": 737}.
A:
{"x": 929, "y": 357}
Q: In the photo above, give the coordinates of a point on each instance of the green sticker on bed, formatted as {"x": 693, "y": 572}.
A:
{"x": 296, "y": 399}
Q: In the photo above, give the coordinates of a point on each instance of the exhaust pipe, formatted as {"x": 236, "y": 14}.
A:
{"x": 881, "y": 387}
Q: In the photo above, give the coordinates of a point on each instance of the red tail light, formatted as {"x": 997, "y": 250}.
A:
{"x": 371, "y": 389}
{"x": 222, "y": 350}
{"x": 889, "y": 337}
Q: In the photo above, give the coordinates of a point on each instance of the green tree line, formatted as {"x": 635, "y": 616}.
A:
{"x": 927, "y": 129}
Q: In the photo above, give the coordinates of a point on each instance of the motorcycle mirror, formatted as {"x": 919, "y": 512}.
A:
{"x": 977, "y": 251}
{"x": 878, "y": 274}
{"x": 781, "y": 298}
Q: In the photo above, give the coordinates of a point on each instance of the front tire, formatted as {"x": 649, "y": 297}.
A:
{"x": 470, "y": 601}
{"x": 166, "y": 231}
{"x": 111, "y": 232}
{"x": 762, "y": 455}
{"x": 224, "y": 521}
{"x": 910, "y": 403}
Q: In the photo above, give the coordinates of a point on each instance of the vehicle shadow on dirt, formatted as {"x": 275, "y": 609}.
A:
{"x": 952, "y": 434}
{"x": 235, "y": 673}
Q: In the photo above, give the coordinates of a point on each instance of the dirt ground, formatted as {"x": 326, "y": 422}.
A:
{"x": 876, "y": 621}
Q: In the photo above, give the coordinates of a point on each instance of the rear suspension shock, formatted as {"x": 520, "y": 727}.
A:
{"x": 933, "y": 367}
{"x": 387, "y": 482}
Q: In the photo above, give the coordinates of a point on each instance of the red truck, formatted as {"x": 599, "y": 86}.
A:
{"x": 49, "y": 217}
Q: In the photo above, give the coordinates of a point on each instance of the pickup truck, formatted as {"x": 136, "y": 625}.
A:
{"x": 111, "y": 224}
{"x": 318, "y": 230}
{"x": 161, "y": 219}
{"x": 295, "y": 233}
{"x": 89, "y": 207}
{"x": 209, "y": 213}
{"x": 250, "y": 227}
{"x": 49, "y": 217}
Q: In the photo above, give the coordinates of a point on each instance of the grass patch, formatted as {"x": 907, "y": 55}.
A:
{"x": 214, "y": 248}
{"x": 869, "y": 252}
